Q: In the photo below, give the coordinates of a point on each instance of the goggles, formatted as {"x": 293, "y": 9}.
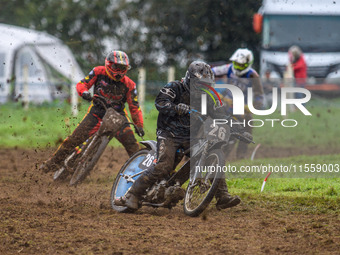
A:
{"x": 119, "y": 67}
{"x": 239, "y": 66}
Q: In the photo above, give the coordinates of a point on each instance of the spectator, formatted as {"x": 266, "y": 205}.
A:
{"x": 297, "y": 61}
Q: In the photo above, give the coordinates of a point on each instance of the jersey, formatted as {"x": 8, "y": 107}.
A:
{"x": 243, "y": 82}
{"x": 116, "y": 93}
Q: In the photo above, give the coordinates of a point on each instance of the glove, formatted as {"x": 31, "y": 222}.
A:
{"x": 86, "y": 96}
{"x": 140, "y": 131}
{"x": 245, "y": 137}
{"x": 182, "y": 109}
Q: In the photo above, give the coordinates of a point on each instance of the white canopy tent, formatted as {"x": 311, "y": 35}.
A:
{"x": 30, "y": 61}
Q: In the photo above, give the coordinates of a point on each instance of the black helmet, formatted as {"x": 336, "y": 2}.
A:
{"x": 198, "y": 72}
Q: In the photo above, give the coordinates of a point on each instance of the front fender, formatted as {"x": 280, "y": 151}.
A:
{"x": 151, "y": 144}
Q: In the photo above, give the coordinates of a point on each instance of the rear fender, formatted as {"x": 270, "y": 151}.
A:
{"x": 151, "y": 144}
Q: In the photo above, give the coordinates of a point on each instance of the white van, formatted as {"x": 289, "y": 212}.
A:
{"x": 314, "y": 25}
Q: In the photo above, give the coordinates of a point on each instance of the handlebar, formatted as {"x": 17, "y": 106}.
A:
{"x": 136, "y": 129}
{"x": 244, "y": 137}
{"x": 100, "y": 99}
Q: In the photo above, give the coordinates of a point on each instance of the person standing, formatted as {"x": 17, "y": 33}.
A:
{"x": 299, "y": 66}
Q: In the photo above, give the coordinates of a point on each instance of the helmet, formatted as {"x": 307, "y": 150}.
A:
{"x": 117, "y": 64}
{"x": 198, "y": 72}
{"x": 294, "y": 53}
{"x": 242, "y": 60}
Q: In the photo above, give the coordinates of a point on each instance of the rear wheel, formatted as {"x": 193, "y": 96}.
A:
{"x": 86, "y": 162}
{"x": 129, "y": 172}
{"x": 202, "y": 189}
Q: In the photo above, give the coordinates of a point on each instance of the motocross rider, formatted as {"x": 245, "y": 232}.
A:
{"x": 109, "y": 81}
{"x": 173, "y": 103}
{"x": 241, "y": 74}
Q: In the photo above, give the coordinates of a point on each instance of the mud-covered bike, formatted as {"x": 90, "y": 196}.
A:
{"x": 205, "y": 157}
{"x": 85, "y": 156}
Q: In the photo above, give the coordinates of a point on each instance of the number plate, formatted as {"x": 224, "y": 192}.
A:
{"x": 215, "y": 131}
{"x": 150, "y": 159}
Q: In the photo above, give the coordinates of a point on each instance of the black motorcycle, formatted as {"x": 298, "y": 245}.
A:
{"x": 205, "y": 159}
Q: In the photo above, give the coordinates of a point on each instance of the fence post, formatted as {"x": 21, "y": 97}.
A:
{"x": 25, "y": 88}
{"x": 288, "y": 80}
{"x": 141, "y": 87}
{"x": 74, "y": 94}
{"x": 171, "y": 73}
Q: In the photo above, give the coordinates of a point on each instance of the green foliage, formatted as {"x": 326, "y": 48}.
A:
{"x": 186, "y": 30}
{"x": 153, "y": 32}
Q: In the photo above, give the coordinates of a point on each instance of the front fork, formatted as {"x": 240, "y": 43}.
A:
{"x": 196, "y": 177}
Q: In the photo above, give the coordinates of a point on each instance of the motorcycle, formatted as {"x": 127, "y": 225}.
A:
{"x": 85, "y": 156}
{"x": 206, "y": 155}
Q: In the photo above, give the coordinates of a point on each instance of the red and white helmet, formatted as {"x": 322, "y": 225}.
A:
{"x": 117, "y": 64}
{"x": 242, "y": 60}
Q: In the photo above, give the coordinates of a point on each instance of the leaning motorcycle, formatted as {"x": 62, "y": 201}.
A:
{"x": 205, "y": 157}
{"x": 85, "y": 156}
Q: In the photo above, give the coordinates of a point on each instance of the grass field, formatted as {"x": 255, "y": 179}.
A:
{"x": 49, "y": 124}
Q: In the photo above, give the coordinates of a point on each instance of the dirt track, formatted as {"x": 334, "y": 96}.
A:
{"x": 40, "y": 217}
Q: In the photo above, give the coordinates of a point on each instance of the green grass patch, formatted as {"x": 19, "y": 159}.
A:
{"x": 320, "y": 129}
{"x": 50, "y": 124}
{"x": 302, "y": 166}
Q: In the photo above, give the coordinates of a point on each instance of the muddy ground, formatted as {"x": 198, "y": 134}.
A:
{"x": 38, "y": 216}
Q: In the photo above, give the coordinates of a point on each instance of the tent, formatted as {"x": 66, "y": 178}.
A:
{"x": 34, "y": 65}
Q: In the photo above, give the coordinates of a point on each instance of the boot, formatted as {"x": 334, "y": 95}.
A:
{"x": 224, "y": 199}
{"x": 133, "y": 197}
{"x": 129, "y": 200}
{"x": 49, "y": 165}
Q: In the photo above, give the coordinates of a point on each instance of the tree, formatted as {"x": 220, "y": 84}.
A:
{"x": 186, "y": 30}
{"x": 85, "y": 26}
{"x": 152, "y": 32}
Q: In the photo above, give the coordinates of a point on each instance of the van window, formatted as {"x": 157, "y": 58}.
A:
{"x": 310, "y": 32}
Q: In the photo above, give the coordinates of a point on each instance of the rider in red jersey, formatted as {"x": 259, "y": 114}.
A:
{"x": 109, "y": 81}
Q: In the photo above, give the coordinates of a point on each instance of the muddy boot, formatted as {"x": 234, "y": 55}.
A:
{"x": 49, "y": 165}
{"x": 129, "y": 200}
{"x": 132, "y": 198}
{"x": 224, "y": 199}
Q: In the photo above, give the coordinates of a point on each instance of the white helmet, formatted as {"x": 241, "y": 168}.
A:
{"x": 242, "y": 60}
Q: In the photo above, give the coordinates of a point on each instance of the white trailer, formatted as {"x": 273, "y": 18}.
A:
{"x": 31, "y": 63}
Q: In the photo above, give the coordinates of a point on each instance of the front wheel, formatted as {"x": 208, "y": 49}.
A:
{"x": 127, "y": 175}
{"x": 63, "y": 172}
{"x": 89, "y": 158}
{"x": 202, "y": 188}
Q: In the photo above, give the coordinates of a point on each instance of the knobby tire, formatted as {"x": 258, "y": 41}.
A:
{"x": 88, "y": 160}
{"x": 194, "y": 212}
